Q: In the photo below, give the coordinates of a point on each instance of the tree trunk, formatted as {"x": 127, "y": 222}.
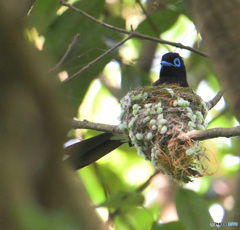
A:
{"x": 218, "y": 23}
{"x": 37, "y": 190}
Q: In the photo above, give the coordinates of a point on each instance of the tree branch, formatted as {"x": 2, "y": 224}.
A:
{"x": 133, "y": 33}
{"x": 210, "y": 133}
{"x": 210, "y": 104}
{"x": 194, "y": 135}
{"x": 76, "y": 124}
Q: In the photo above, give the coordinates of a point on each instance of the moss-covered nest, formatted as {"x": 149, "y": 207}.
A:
{"x": 153, "y": 117}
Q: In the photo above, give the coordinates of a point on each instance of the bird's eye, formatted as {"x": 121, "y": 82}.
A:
{"x": 177, "y": 62}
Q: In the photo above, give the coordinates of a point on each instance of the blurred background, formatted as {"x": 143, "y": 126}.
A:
{"x": 114, "y": 183}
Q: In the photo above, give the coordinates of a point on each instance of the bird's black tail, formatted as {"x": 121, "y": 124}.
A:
{"x": 88, "y": 151}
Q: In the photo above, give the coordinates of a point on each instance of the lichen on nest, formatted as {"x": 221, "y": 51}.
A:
{"x": 154, "y": 116}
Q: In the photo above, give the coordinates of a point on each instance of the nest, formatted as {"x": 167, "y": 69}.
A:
{"x": 154, "y": 116}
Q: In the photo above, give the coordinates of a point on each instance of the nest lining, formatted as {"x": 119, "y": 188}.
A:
{"x": 154, "y": 116}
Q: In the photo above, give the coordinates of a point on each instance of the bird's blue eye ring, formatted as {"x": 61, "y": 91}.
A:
{"x": 177, "y": 62}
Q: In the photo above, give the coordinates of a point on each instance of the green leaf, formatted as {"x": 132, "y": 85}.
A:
{"x": 181, "y": 6}
{"x": 132, "y": 78}
{"x": 168, "y": 226}
{"x": 123, "y": 199}
{"x": 91, "y": 183}
{"x": 107, "y": 175}
{"x": 192, "y": 210}
{"x": 94, "y": 40}
{"x": 133, "y": 218}
{"x": 162, "y": 20}
{"x": 43, "y": 14}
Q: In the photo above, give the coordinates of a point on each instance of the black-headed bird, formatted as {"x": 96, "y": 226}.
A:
{"x": 88, "y": 151}
{"x": 173, "y": 70}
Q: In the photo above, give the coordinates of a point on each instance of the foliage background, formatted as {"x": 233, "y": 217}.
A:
{"x": 114, "y": 182}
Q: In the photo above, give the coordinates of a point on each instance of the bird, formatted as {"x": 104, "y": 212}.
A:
{"x": 173, "y": 70}
{"x": 87, "y": 151}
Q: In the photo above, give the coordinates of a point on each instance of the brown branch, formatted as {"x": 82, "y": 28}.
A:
{"x": 66, "y": 53}
{"x": 210, "y": 133}
{"x": 210, "y": 104}
{"x": 76, "y": 124}
{"x": 195, "y": 134}
{"x": 96, "y": 60}
{"x": 133, "y": 33}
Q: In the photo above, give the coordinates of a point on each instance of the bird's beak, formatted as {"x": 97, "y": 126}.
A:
{"x": 165, "y": 63}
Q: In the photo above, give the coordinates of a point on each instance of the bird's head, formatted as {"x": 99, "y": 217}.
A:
{"x": 172, "y": 60}
{"x": 173, "y": 70}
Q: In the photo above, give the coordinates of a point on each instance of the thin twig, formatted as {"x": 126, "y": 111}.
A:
{"x": 210, "y": 133}
{"x": 66, "y": 53}
{"x": 96, "y": 60}
{"x": 134, "y": 34}
{"x": 210, "y": 104}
